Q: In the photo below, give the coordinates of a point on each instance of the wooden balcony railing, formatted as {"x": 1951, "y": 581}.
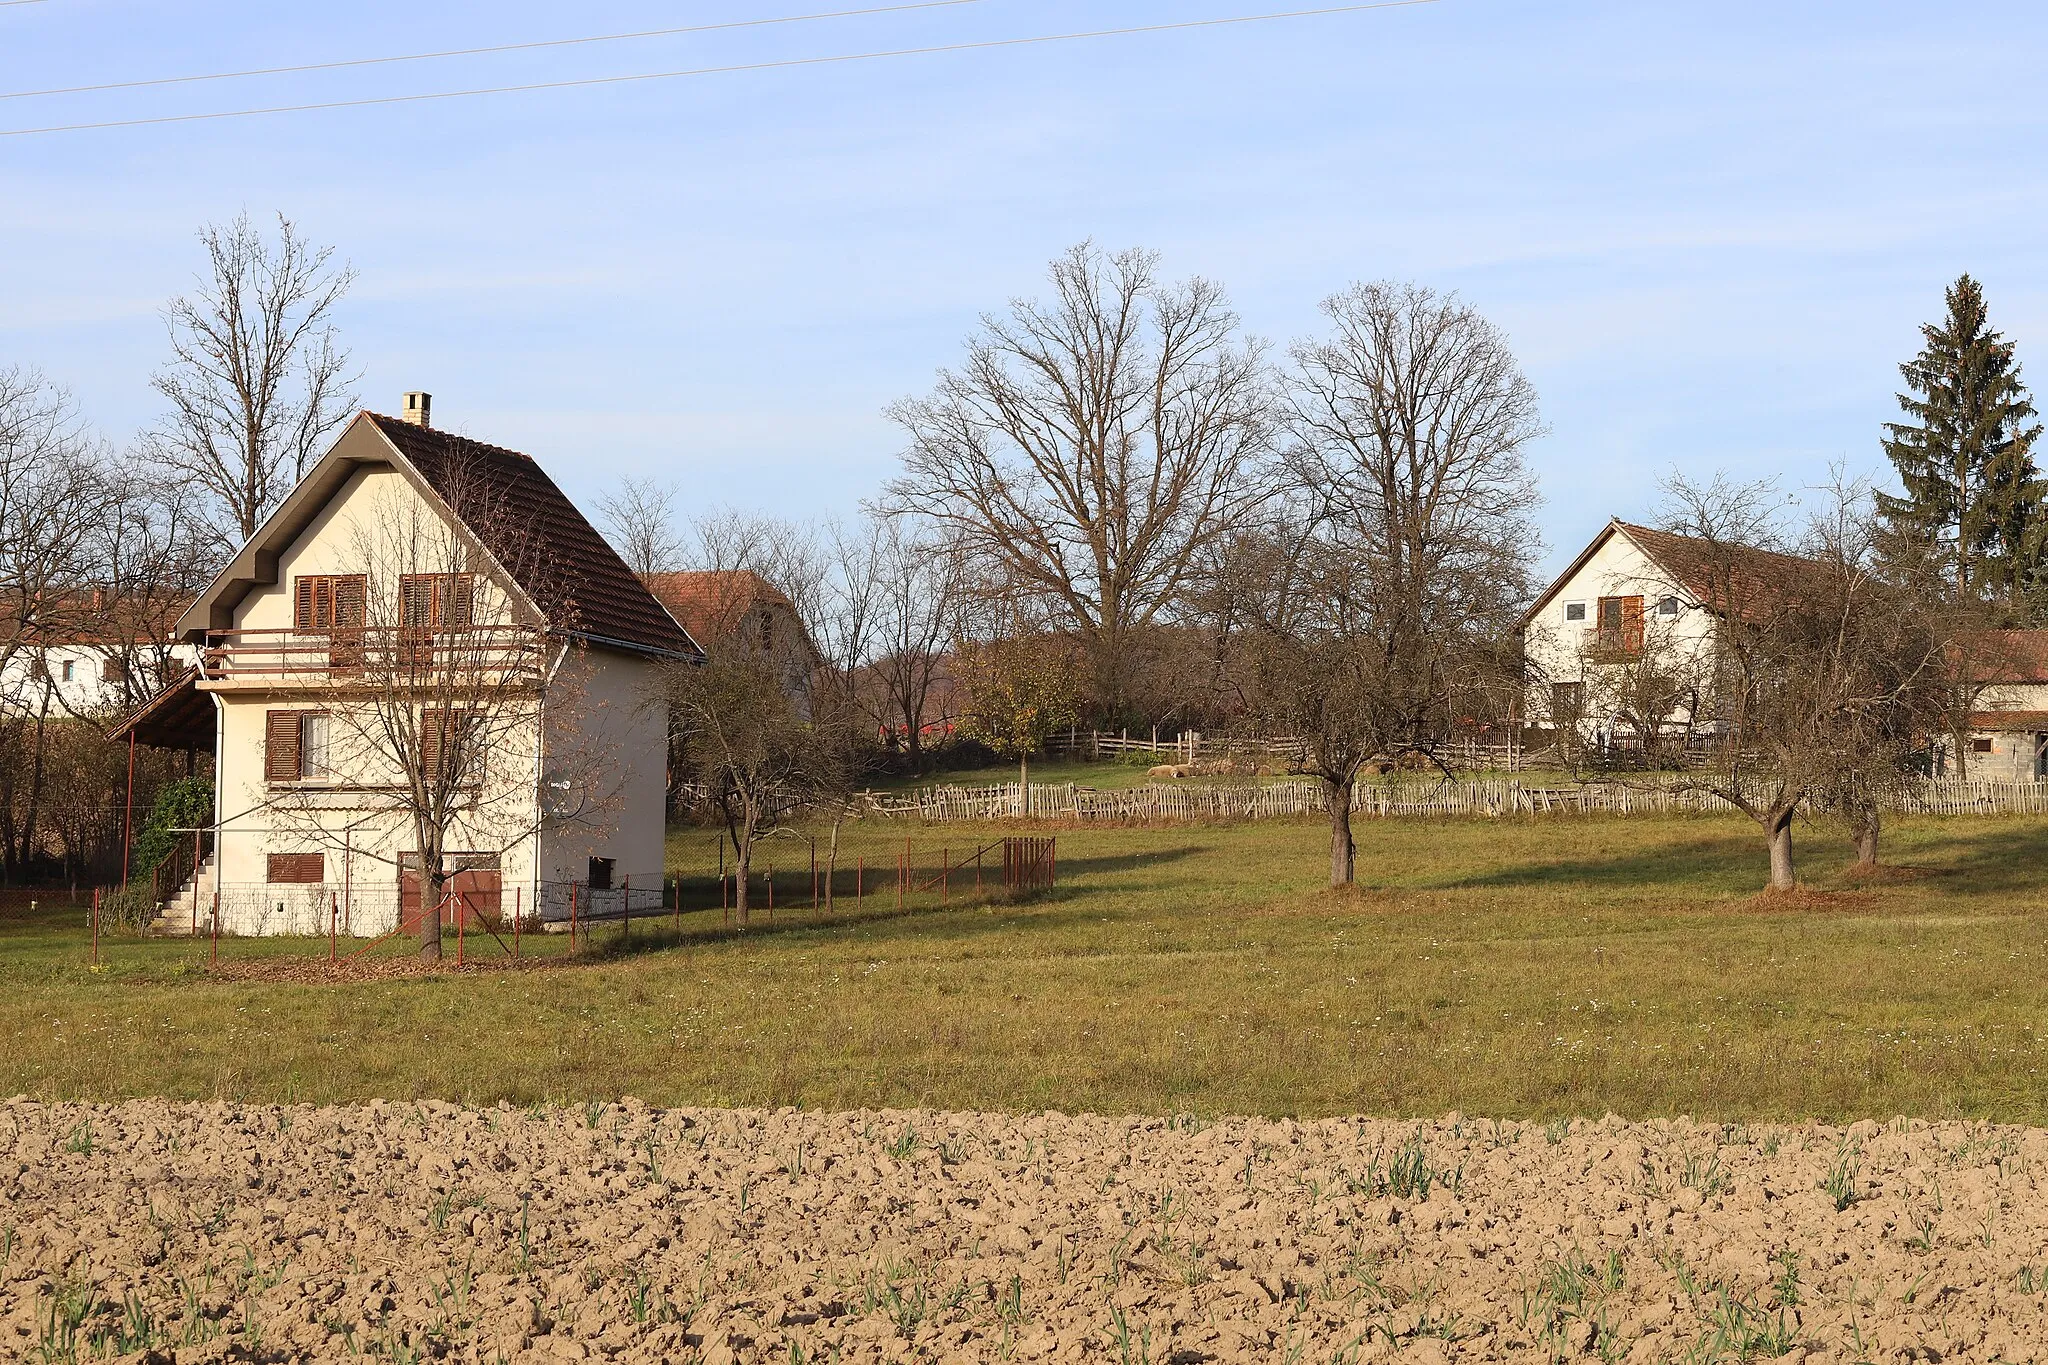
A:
{"x": 373, "y": 655}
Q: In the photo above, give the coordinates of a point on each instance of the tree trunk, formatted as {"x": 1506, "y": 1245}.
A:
{"x": 832, "y": 855}
{"x": 1343, "y": 852}
{"x": 1778, "y": 830}
{"x": 742, "y": 873}
{"x": 432, "y": 883}
{"x": 1866, "y": 839}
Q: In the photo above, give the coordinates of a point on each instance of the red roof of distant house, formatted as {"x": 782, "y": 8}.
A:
{"x": 709, "y": 603}
{"x": 2009, "y": 720}
{"x": 2007, "y": 656}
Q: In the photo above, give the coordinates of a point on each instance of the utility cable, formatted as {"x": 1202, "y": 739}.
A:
{"x": 839, "y": 59}
{"x": 467, "y": 51}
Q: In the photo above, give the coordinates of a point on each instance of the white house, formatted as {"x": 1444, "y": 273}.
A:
{"x": 423, "y": 604}
{"x": 1625, "y": 609}
{"x": 1622, "y": 642}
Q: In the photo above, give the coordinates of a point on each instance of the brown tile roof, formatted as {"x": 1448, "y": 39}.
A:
{"x": 1695, "y": 564}
{"x": 709, "y": 603}
{"x": 2007, "y": 656}
{"x": 580, "y": 582}
{"x": 2009, "y": 720}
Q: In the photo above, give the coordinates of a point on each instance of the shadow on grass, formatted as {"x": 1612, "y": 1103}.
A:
{"x": 1728, "y": 863}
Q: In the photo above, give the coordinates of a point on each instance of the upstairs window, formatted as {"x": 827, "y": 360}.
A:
{"x": 438, "y": 601}
{"x": 1575, "y": 611}
{"x": 328, "y": 602}
{"x": 1667, "y": 606}
{"x": 329, "y": 605}
{"x": 1621, "y": 625}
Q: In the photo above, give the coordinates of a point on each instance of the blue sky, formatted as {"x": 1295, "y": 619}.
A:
{"x": 1709, "y": 231}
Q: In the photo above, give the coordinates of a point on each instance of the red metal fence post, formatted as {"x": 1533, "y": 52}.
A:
{"x": 572, "y": 917}
{"x": 626, "y": 928}
{"x": 333, "y": 925}
{"x": 518, "y": 914}
{"x": 214, "y": 957}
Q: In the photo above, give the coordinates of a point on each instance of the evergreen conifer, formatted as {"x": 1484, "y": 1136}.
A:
{"x": 1972, "y": 495}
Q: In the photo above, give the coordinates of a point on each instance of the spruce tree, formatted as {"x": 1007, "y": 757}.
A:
{"x": 1972, "y": 495}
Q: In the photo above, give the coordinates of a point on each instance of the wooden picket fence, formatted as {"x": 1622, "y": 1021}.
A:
{"x": 1492, "y": 797}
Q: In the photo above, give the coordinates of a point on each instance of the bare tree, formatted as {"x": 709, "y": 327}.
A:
{"x": 741, "y": 738}
{"x": 1824, "y": 673}
{"x": 1095, "y": 446}
{"x": 917, "y": 617}
{"x": 257, "y": 378}
{"x": 1385, "y": 610}
{"x": 640, "y": 520}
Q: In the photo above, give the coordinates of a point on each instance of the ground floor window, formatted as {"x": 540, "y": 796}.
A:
{"x": 298, "y": 868}
{"x": 600, "y": 878}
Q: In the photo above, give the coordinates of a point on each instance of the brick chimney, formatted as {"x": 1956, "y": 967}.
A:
{"x": 419, "y": 409}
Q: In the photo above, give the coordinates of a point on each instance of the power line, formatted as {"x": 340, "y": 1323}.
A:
{"x": 838, "y": 59}
{"x": 468, "y": 51}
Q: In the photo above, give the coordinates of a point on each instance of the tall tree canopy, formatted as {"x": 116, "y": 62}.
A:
{"x": 1095, "y": 447}
{"x": 1972, "y": 495}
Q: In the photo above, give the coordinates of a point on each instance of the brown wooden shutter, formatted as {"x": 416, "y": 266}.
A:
{"x": 416, "y": 599}
{"x": 460, "y": 608}
{"x": 303, "y": 589}
{"x": 281, "y": 746}
{"x": 433, "y": 729}
{"x": 350, "y": 591}
{"x": 300, "y": 868}
{"x": 1632, "y": 625}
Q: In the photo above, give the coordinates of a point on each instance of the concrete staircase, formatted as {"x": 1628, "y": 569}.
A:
{"x": 175, "y": 917}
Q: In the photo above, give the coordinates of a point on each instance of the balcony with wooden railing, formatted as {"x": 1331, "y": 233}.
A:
{"x": 372, "y": 656}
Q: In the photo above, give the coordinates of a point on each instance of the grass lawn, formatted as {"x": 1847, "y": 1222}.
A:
{"x": 1512, "y": 968}
{"x": 1081, "y": 772}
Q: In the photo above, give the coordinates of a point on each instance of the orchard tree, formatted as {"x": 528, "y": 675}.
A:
{"x": 1019, "y": 693}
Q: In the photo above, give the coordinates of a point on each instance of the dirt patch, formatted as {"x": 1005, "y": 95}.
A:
{"x": 1806, "y": 900}
{"x": 168, "y": 1232}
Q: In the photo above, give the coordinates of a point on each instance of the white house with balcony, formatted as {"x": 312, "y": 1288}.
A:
{"x": 426, "y": 642}
{"x": 1624, "y": 607}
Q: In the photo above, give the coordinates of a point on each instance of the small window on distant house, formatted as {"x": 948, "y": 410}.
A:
{"x": 299, "y": 868}
{"x": 1667, "y": 606}
{"x": 600, "y": 874}
{"x": 1981, "y": 744}
{"x": 113, "y": 669}
{"x": 1575, "y": 611}
{"x": 68, "y": 667}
